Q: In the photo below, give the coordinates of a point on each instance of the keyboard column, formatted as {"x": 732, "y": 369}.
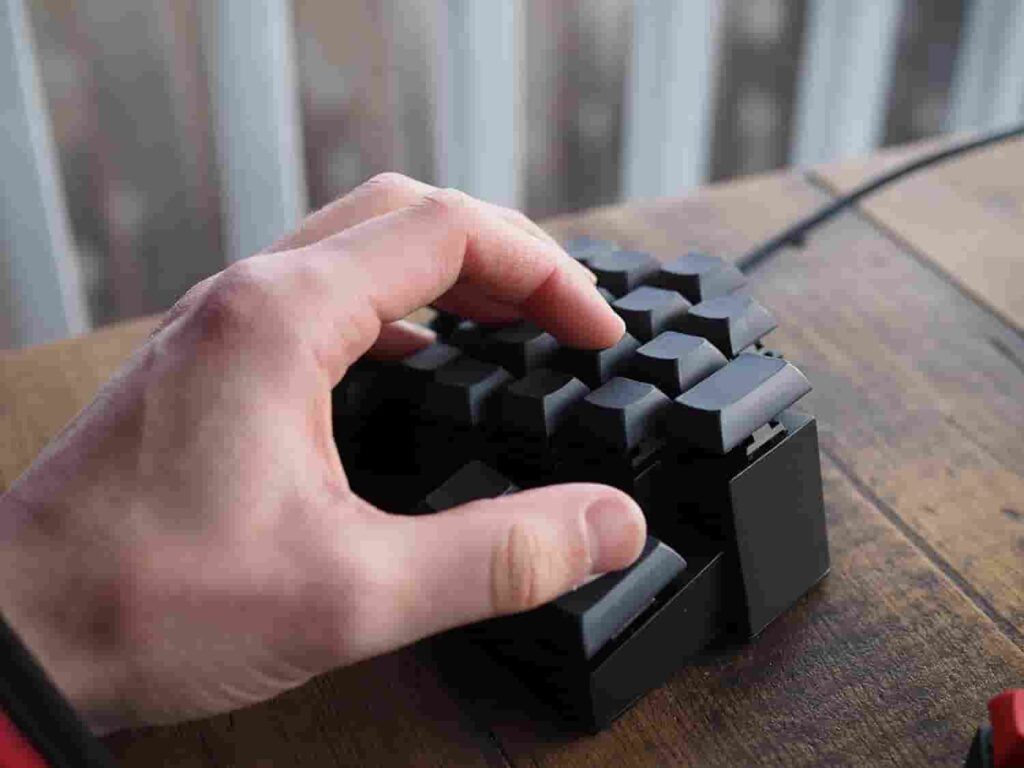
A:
{"x": 746, "y": 473}
{"x": 615, "y": 436}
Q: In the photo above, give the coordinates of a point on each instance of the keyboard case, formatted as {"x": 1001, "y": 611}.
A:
{"x": 689, "y": 413}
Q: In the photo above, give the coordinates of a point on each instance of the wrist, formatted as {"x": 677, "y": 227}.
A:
{"x": 63, "y": 612}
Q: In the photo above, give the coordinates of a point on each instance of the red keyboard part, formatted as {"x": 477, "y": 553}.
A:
{"x": 1006, "y": 713}
{"x": 15, "y": 751}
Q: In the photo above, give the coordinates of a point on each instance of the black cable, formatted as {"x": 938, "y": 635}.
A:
{"x": 795, "y": 234}
{"x": 40, "y": 713}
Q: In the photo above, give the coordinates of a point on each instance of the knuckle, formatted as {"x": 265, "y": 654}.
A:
{"x": 237, "y": 302}
{"x": 392, "y": 186}
{"x": 182, "y": 306}
{"x": 448, "y": 205}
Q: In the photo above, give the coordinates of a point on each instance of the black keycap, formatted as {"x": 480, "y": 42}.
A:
{"x": 731, "y": 322}
{"x": 582, "y": 621}
{"x": 467, "y": 336}
{"x": 595, "y": 366}
{"x": 474, "y": 481}
{"x": 444, "y": 323}
{"x": 674, "y": 362}
{"x": 420, "y": 367}
{"x": 699, "y": 277}
{"x": 622, "y": 271}
{"x": 356, "y": 393}
{"x": 620, "y": 414}
{"x": 538, "y": 404}
{"x": 519, "y": 348}
{"x": 648, "y": 311}
{"x": 730, "y": 404}
{"x": 583, "y": 249}
{"x": 460, "y": 390}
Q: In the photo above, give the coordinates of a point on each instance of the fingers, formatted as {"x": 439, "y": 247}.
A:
{"x": 382, "y": 194}
{"x": 499, "y": 556}
{"x": 384, "y": 268}
{"x": 400, "y": 339}
{"x": 466, "y": 301}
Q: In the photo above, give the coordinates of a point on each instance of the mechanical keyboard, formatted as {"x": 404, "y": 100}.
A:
{"x": 689, "y": 413}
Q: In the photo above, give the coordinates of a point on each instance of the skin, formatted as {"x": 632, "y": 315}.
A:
{"x": 189, "y": 544}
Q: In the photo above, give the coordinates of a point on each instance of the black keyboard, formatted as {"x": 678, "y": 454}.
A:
{"x": 689, "y": 413}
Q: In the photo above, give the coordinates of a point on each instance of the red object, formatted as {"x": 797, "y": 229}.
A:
{"x": 15, "y": 751}
{"x": 1006, "y": 713}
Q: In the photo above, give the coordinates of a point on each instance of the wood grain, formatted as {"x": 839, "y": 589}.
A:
{"x": 918, "y": 393}
{"x": 725, "y": 218}
{"x": 966, "y": 216}
{"x": 388, "y": 711}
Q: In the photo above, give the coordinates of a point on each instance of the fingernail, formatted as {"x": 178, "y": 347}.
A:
{"x": 615, "y": 528}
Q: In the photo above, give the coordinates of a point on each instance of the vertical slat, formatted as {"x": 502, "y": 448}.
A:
{"x": 479, "y": 110}
{"x": 145, "y": 183}
{"x": 845, "y": 72}
{"x": 409, "y": 28}
{"x": 988, "y": 79}
{"x": 669, "y": 96}
{"x": 249, "y": 49}
{"x": 42, "y": 295}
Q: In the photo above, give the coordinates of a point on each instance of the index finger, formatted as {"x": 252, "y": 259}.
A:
{"x": 384, "y": 268}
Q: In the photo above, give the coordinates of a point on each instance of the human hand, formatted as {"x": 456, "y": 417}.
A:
{"x": 189, "y": 544}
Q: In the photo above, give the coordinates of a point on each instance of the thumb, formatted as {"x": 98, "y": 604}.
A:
{"x": 506, "y": 555}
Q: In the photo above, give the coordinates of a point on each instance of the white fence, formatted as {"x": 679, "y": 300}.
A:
{"x": 846, "y": 68}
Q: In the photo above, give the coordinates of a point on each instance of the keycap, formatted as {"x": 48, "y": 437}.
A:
{"x": 729, "y": 405}
{"x": 420, "y": 367}
{"x": 355, "y": 394}
{"x": 674, "y": 362}
{"x": 731, "y": 322}
{"x": 461, "y": 389}
{"x": 519, "y": 348}
{"x": 648, "y": 311}
{"x": 622, "y": 271}
{"x": 619, "y": 414}
{"x": 444, "y": 323}
{"x": 595, "y": 366}
{"x": 537, "y": 404}
{"x": 584, "y": 620}
{"x": 474, "y": 481}
{"x": 699, "y": 277}
{"x": 583, "y": 249}
{"x": 467, "y": 336}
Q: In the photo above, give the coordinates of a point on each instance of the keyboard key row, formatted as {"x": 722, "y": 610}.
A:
{"x": 719, "y": 403}
{"x": 696, "y": 276}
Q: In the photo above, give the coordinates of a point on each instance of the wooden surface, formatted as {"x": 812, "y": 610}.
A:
{"x": 970, "y": 225}
{"x": 917, "y": 358}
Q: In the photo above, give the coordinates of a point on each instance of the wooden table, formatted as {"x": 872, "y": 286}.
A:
{"x": 906, "y": 315}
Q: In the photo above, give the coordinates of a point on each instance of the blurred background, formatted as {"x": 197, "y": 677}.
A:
{"x": 187, "y": 133}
